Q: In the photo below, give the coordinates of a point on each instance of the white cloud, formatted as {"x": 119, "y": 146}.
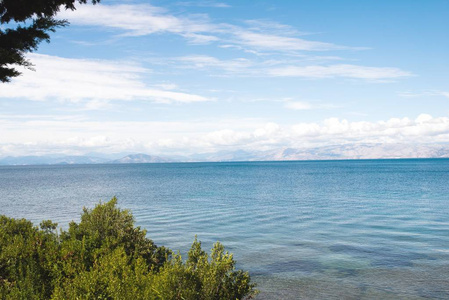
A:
{"x": 423, "y": 129}
{"x": 298, "y": 105}
{"x": 167, "y": 86}
{"x": 99, "y": 81}
{"x": 264, "y": 41}
{"x": 97, "y": 104}
{"x": 340, "y": 70}
{"x": 50, "y": 135}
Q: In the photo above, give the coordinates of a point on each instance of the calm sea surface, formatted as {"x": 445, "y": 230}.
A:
{"x": 368, "y": 229}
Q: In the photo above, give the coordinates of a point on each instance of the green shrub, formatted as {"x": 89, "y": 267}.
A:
{"x": 106, "y": 257}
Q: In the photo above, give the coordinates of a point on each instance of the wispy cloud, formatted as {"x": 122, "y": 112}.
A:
{"x": 340, "y": 70}
{"x": 237, "y": 65}
{"x": 298, "y": 105}
{"x": 139, "y": 20}
{"x": 284, "y": 68}
{"x": 267, "y": 25}
{"x": 98, "y": 81}
{"x": 306, "y": 105}
{"x": 263, "y": 41}
{"x": 144, "y": 19}
{"x": 427, "y": 93}
{"x": 204, "y": 4}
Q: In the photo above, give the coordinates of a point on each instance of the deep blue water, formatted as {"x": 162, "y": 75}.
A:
{"x": 366, "y": 229}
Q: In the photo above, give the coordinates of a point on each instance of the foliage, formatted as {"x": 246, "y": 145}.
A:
{"x": 27, "y": 23}
{"x": 106, "y": 257}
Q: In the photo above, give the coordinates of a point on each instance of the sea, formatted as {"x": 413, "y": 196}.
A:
{"x": 350, "y": 229}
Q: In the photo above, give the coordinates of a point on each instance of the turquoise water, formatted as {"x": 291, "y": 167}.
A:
{"x": 367, "y": 229}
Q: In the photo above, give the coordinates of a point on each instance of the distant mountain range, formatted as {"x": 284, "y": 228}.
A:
{"x": 359, "y": 151}
{"x": 140, "y": 159}
{"x": 51, "y": 160}
{"x": 71, "y": 160}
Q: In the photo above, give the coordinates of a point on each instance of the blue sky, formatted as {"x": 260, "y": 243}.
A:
{"x": 180, "y": 77}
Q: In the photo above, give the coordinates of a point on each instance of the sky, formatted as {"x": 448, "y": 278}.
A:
{"x": 182, "y": 77}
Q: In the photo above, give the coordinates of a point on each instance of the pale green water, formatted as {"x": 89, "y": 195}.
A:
{"x": 336, "y": 229}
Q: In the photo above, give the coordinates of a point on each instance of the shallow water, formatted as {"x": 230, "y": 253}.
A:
{"x": 367, "y": 229}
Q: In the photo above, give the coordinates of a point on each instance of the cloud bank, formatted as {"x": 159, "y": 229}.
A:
{"x": 26, "y": 136}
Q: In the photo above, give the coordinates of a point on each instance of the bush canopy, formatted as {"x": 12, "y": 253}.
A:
{"x": 106, "y": 257}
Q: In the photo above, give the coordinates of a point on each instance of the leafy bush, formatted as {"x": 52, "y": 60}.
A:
{"x": 106, "y": 257}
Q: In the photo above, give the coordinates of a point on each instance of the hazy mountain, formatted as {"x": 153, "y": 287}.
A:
{"x": 237, "y": 155}
{"x": 141, "y": 158}
{"x": 108, "y": 156}
{"x": 363, "y": 151}
{"x": 82, "y": 160}
{"x": 50, "y": 160}
{"x": 350, "y": 151}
